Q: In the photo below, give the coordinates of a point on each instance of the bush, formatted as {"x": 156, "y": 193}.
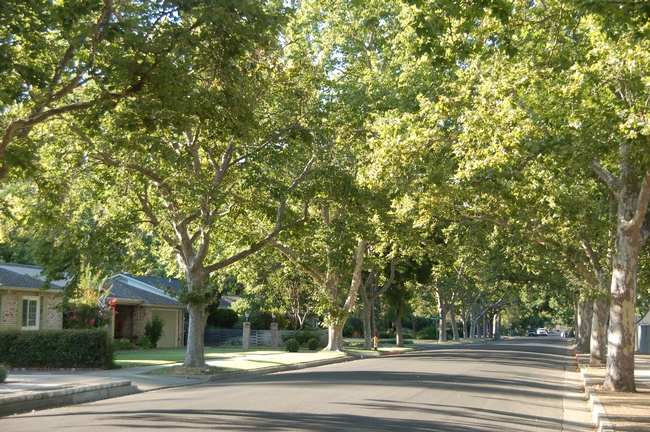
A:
{"x": 4, "y": 370}
{"x": 154, "y": 329}
{"x": 429, "y": 332}
{"x": 57, "y": 349}
{"x": 313, "y": 343}
{"x": 302, "y": 336}
{"x": 394, "y": 341}
{"x": 145, "y": 343}
{"x": 224, "y": 318}
{"x": 123, "y": 345}
{"x": 292, "y": 345}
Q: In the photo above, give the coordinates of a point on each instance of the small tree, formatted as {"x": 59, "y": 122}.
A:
{"x": 88, "y": 306}
{"x": 153, "y": 330}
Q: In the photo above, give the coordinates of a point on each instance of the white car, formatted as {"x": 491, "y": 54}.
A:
{"x": 542, "y": 332}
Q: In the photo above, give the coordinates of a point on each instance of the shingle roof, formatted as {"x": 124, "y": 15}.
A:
{"x": 10, "y": 278}
{"x": 32, "y": 271}
{"x": 159, "y": 282}
{"x": 120, "y": 290}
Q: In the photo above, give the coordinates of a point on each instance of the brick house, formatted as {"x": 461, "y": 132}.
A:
{"x": 26, "y": 303}
{"x": 138, "y": 298}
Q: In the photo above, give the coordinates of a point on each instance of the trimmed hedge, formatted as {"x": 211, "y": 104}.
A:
{"x": 292, "y": 345}
{"x": 313, "y": 343}
{"x": 57, "y": 349}
{"x": 302, "y": 336}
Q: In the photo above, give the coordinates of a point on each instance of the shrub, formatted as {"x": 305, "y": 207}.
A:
{"x": 393, "y": 341}
{"x": 4, "y": 370}
{"x": 145, "y": 343}
{"x": 89, "y": 306}
{"x": 301, "y": 336}
{"x": 348, "y": 330}
{"x": 313, "y": 343}
{"x": 123, "y": 345}
{"x": 292, "y": 345}
{"x": 225, "y": 318}
{"x": 154, "y": 329}
{"x": 57, "y": 349}
{"x": 429, "y": 332}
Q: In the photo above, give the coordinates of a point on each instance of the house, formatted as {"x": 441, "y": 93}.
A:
{"x": 642, "y": 339}
{"x": 138, "y": 298}
{"x": 26, "y": 303}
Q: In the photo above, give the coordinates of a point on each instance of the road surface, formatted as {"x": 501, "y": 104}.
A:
{"x": 525, "y": 384}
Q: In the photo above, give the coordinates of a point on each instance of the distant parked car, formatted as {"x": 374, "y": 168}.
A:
{"x": 532, "y": 333}
{"x": 542, "y": 332}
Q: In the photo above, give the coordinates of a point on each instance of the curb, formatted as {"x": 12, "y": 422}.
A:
{"x": 599, "y": 416}
{"x": 275, "y": 369}
{"x": 67, "y": 396}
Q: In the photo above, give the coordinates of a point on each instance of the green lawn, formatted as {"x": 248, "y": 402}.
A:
{"x": 133, "y": 358}
{"x": 257, "y": 357}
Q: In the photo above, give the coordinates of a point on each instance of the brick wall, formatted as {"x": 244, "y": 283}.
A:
{"x": 9, "y": 310}
{"x": 53, "y": 317}
{"x": 145, "y": 317}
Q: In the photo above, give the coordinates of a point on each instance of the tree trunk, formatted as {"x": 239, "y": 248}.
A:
{"x": 442, "y": 331}
{"x": 367, "y": 323}
{"x": 399, "y": 334}
{"x": 599, "y": 332}
{"x": 583, "y": 337}
{"x": 620, "y": 339}
{"x": 196, "y": 332}
{"x": 336, "y": 336}
{"x": 195, "y": 338}
{"x": 454, "y": 324}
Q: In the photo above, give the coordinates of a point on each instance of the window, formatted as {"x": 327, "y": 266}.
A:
{"x": 30, "y": 313}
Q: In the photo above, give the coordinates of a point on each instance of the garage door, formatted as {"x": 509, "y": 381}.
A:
{"x": 170, "y": 328}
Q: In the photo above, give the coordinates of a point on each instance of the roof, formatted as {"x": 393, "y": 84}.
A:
{"x": 645, "y": 321}
{"x": 127, "y": 287}
{"x": 227, "y": 301}
{"x": 10, "y": 276}
{"x": 159, "y": 282}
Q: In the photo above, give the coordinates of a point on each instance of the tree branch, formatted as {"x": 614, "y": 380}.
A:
{"x": 643, "y": 200}
{"x": 316, "y": 275}
{"x": 609, "y": 179}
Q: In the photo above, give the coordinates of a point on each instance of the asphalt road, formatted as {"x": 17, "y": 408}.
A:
{"x": 519, "y": 385}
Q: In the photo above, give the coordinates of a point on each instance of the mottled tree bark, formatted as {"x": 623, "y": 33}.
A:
{"x": 583, "y": 335}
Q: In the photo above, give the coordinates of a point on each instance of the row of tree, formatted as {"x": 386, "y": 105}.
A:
{"x": 486, "y": 149}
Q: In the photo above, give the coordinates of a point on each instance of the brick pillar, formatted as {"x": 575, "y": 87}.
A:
{"x": 274, "y": 336}
{"x": 246, "y": 338}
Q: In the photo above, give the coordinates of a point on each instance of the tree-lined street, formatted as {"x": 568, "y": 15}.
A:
{"x": 523, "y": 384}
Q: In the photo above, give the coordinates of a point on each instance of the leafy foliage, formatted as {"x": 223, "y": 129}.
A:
{"x": 225, "y": 318}
{"x": 313, "y": 343}
{"x": 89, "y": 306}
{"x": 57, "y": 349}
{"x": 292, "y": 345}
{"x": 153, "y": 330}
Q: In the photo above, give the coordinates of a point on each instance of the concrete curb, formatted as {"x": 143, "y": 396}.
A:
{"x": 599, "y": 416}
{"x": 275, "y": 369}
{"x": 64, "y": 396}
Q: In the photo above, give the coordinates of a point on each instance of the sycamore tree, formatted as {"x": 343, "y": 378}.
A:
{"x": 215, "y": 155}
{"x": 59, "y": 58}
{"x": 570, "y": 87}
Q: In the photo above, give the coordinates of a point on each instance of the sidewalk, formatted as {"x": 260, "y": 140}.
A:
{"x": 618, "y": 411}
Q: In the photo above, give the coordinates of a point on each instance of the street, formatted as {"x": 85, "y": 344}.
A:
{"x": 525, "y": 384}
